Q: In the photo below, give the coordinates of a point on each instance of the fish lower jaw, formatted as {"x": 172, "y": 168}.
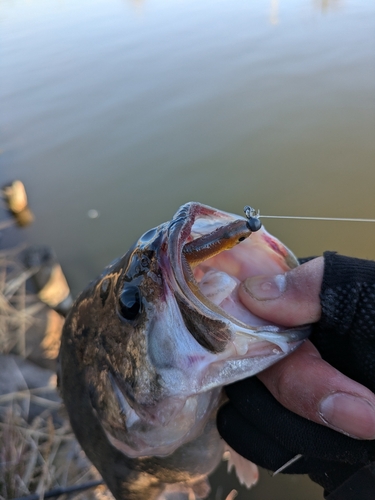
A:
{"x": 249, "y": 344}
{"x": 242, "y": 359}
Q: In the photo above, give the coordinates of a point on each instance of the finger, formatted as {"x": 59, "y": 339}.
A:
{"x": 288, "y": 299}
{"x": 307, "y": 385}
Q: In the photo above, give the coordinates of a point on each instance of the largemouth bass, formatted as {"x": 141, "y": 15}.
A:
{"x": 148, "y": 346}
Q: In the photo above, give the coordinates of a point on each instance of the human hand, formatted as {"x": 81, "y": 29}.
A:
{"x": 258, "y": 427}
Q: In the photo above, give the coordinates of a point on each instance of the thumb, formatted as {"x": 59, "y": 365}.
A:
{"x": 288, "y": 299}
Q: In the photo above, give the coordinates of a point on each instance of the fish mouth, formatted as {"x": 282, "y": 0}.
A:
{"x": 210, "y": 253}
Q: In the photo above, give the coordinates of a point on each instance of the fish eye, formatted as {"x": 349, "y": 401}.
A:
{"x": 130, "y": 303}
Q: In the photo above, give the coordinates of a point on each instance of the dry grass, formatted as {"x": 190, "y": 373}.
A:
{"x": 39, "y": 455}
{"x": 38, "y": 450}
{"x": 17, "y": 307}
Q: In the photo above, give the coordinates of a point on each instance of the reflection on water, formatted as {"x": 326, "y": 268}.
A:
{"x": 326, "y": 5}
{"x": 131, "y": 108}
{"x": 274, "y": 12}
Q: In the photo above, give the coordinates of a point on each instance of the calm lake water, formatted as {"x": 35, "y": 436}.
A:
{"x": 132, "y": 108}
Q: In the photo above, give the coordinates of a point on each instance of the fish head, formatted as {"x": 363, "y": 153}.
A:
{"x": 162, "y": 329}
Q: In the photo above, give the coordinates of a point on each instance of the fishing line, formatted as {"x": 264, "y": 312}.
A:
{"x": 314, "y": 218}
{"x": 289, "y": 462}
{"x": 251, "y": 213}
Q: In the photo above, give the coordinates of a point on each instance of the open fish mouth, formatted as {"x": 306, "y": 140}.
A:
{"x": 210, "y": 253}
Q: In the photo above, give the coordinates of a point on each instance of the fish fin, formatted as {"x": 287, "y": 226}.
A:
{"x": 247, "y": 472}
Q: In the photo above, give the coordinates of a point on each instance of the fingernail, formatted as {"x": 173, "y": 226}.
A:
{"x": 349, "y": 414}
{"x": 265, "y": 287}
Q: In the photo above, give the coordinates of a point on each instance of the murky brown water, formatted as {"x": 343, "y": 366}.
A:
{"x": 135, "y": 107}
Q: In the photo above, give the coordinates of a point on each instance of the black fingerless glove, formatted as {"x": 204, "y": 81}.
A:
{"x": 262, "y": 430}
{"x": 345, "y": 335}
